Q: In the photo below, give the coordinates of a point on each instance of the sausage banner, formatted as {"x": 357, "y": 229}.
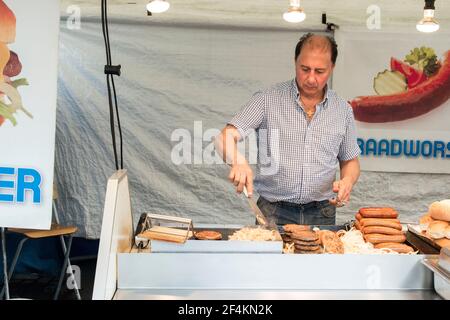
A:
{"x": 28, "y": 76}
{"x": 398, "y": 84}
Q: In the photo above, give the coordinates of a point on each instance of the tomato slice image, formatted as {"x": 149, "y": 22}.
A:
{"x": 413, "y": 76}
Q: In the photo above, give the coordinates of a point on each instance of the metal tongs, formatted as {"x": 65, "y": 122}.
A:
{"x": 338, "y": 202}
{"x": 262, "y": 220}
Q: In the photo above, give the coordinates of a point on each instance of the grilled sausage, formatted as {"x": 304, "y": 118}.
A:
{"x": 378, "y": 213}
{"x": 380, "y": 238}
{"x": 358, "y": 216}
{"x": 390, "y": 223}
{"x": 399, "y": 247}
{"x": 378, "y": 209}
{"x": 381, "y": 229}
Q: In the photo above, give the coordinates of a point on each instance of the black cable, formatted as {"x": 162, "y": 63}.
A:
{"x": 118, "y": 123}
{"x": 112, "y": 96}
{"x": 111, "y": 111}
{"x": 113, "y": 86}
{"x": 111, "y": 120}
{"x": 107, "y": 32}
{"x": 108, "y": 62}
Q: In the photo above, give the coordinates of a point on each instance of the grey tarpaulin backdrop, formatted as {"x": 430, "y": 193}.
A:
{"x": 174, "y": 75}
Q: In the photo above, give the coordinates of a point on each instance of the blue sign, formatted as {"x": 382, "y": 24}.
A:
{"x": 18, "y": 181}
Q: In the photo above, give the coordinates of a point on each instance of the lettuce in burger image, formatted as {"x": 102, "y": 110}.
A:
{"x": 10, "y": 66}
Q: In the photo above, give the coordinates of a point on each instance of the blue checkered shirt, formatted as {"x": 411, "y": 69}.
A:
{"x": 297, "y": 160}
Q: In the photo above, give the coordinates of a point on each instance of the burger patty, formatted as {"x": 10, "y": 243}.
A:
{"x": 208, "y": 235}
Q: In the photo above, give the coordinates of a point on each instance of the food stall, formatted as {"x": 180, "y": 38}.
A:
{"x": 231, "y": 269}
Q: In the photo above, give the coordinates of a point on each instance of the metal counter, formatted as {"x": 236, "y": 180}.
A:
{"x": 185, "y": 294}
{"x": 272, "y": 276}
{"x": 122, "y": 273}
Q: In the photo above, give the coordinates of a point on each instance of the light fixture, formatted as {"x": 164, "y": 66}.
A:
{"x": 294, "y": 14}
{"x": 428, "y": 24}
{"x": 158, "y": 6}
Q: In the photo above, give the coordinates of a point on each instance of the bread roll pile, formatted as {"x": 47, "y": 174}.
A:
{"x": 381, "y": 227}
{"x": 435, "y": 223}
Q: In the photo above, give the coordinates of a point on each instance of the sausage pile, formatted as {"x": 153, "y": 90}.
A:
{"x": 381, "y": 227}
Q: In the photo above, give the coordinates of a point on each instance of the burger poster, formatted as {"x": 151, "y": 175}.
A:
{"x": 28, "y": 76}
{"x": 398, "y": 84}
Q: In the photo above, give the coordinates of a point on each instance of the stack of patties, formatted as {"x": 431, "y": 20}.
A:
{"x": 289, "y": 228}
{"x": 306, "y": 241}
{"x": 381, "y": 227}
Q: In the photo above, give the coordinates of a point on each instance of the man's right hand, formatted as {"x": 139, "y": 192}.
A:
{"x": 242, "y": 175}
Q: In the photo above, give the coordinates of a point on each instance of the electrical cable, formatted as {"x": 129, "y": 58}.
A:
{"x": 114, "y": 88}
{"x": 110, "y": 71}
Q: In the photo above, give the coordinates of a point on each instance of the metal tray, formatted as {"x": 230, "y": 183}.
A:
{"x": 430, "y": 246}
{"x": 441, "y": 277}
{"x": 217, "y": 246}
{"x": 347, "y": 226}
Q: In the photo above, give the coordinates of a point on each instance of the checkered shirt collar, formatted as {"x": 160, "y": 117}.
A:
{"x": 326, "y": 96}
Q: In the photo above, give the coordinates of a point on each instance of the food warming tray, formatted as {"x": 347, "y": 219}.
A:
{"x": 217, "y": 246}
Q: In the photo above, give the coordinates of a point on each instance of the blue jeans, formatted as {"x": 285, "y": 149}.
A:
{"x": 313, "y": 213}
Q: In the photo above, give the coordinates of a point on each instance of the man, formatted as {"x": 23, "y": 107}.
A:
{"x": 307, "y": 130}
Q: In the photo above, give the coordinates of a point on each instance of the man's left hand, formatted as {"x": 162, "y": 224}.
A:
{"x": 343, "y": 188}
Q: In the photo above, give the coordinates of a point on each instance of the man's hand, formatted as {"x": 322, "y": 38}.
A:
{"x": 242, "y": 175}
{"x": 343, "y": 188}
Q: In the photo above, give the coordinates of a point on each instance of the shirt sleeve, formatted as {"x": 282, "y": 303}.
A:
{"x": 349, "y": 148}
{"x": 251, "y": 115}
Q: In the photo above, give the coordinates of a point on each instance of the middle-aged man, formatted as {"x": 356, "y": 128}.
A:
{"x": 305, "y": 129}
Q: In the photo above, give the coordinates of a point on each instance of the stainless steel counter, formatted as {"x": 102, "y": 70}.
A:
{"x": 123, "y": 273}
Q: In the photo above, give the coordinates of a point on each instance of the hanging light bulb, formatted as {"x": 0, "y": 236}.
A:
{"x": 158, "y": 6}
{"x": 428, "y": 24}
{"x": 294, "y": 14}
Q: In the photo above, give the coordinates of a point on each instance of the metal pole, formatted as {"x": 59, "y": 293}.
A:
{"x": 5, "y": 265}
{"x": 61, "y": 277}
{"x": 63, "y": 244}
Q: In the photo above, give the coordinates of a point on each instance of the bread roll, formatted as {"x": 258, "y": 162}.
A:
{"x": 436, "y": 229}
{"x": 443, "y": 243}
{"x": 440, "y": 210}
{"x": 447, "y": 232}
{"x": 424, "y": 221}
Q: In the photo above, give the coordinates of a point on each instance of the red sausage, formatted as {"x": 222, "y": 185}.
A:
{"x": 406, "y": 105}
{"x": 378, "y": 213}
